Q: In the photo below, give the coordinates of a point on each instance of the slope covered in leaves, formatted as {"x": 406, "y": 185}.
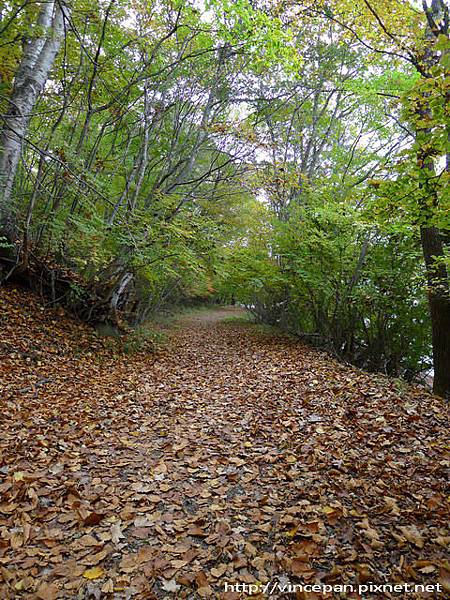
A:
{"x": 229, "y": 456}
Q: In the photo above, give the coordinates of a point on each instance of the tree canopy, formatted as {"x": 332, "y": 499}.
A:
{"x": 289, "y": 156}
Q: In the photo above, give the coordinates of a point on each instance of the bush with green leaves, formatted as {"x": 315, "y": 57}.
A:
{"x": 328, "y": 276}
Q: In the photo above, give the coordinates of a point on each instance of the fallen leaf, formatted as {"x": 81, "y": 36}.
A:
{"x": 116, "y": 533}
{"x": 47, "y": 591}
{"x": 412, "y": 534}
{"x": 94, "y": 573}
{"x": 170, "y": 585}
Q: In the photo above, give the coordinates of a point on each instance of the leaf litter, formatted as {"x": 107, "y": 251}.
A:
{"x": 229, "y": 455}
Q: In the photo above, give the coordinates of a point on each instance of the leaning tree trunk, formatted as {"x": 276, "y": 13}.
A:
{"x": 38, "y": 58}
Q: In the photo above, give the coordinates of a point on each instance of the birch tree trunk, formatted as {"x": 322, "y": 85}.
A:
{"x": 38, "y": 57}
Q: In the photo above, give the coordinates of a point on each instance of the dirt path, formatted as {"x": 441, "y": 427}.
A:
{"x": 212, "y": 316}
{"x": 230, "y": 458}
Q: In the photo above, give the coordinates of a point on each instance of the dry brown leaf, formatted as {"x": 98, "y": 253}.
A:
{"x": 209, "y": 451}
{"x": 412, "y": 534}
{"x": 47, "y": 591}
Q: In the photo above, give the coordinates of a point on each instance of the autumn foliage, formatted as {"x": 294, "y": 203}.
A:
{"x": 228, "y": 455}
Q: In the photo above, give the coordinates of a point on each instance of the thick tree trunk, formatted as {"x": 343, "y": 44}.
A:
{"x": 439, "y": 306}
{"x": 38, "y": 58}
{"x": 431, "y": 237}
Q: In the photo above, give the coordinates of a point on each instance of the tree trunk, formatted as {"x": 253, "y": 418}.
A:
{"x": 38, "y": 58}
{"x": 431, "y": 237}
{"x": 439, "y": 306}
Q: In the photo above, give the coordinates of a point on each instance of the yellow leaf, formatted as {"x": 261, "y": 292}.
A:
{"x": 19, "y": 475}
{"x": 256, "y": 592}
{"x": 94, "y": 573}
{"x": 328, "y": 510}
{"x": 292, "y": 532}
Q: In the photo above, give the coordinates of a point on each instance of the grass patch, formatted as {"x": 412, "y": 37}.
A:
{"x": 145, "y": 338}
{"x": 172, "y": 315}
{"x": 245, "y": 319}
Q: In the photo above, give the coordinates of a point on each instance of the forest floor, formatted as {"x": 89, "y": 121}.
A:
{"x": 229, "y": 457}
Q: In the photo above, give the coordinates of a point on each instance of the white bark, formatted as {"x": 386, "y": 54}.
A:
{"x": 127, "y": 278}
{"x": 38, "y": 57}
